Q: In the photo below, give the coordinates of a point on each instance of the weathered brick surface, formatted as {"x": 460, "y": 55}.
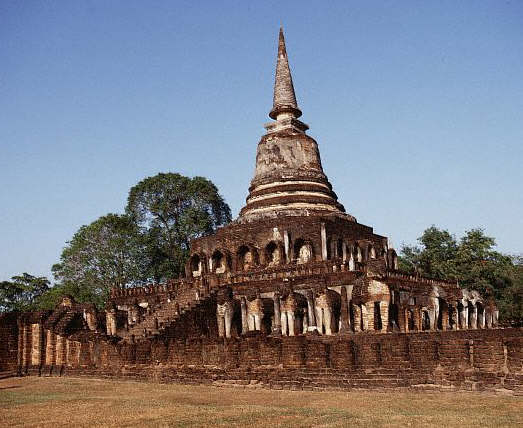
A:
{"x": 357, "y": 361}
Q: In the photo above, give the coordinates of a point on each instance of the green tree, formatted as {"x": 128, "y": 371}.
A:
{"x": 474, "y": 262}
{"x": 510, "y": 298}
{"x": 171, "y": 210}
{"x": 479, "y": 266}
{"x": 107, "y": 253}
{"x": 22, "y": 293}
{"x": 434, "y": 257}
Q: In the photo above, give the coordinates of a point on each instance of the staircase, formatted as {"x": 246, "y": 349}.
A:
{"x": 167, "y": 313}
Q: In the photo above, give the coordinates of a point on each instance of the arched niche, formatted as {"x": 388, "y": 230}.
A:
{"x": 220, "y": 262}
{"x": 197, "y": 265}
{"x": 357, "y": 253}
{"x": 303, "y": 251}
{"x": 246, "y": 258}
{"x": 273, "y": 254}
{"x": 372, "y": 252}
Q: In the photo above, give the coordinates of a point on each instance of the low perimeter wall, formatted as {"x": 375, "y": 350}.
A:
{"x": 468, "y": 359}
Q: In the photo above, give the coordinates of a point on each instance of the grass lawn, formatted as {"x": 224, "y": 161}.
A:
{"x": 53, "y": 402}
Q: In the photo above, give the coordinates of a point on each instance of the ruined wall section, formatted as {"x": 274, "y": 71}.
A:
{"x": 9, "y": 341}
{"x": 471, "y": 360}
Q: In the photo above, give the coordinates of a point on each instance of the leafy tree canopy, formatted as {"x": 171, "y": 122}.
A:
{"x": 171, "y": 210}
{"x": 22, "y": 293}
{"x": 107, "y": 253}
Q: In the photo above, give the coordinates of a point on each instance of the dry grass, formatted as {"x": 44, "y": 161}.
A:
{"x": 66, "y": 401}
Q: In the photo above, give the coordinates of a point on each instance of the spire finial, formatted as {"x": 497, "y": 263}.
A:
{"x": 284, "y": 100}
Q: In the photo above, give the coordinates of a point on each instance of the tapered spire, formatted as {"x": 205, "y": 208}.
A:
{"x": 288, "y": 179}
{"x": 284, "y": 100}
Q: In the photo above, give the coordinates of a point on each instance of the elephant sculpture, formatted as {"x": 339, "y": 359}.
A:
{"x": 292, "y": 309}
{"x": 255, "y": 313}
{"x": 224, "y": 312}
{"x": 327, "y": 304}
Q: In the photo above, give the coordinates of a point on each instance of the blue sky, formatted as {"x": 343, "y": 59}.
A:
{"x": 417, "y": 108}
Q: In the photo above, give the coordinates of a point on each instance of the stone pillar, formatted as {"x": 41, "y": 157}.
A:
{"x": 37, "y": 344}
{"x": 344, "y": 252}
{"x": 60, "y": 350}
{"x": 452, "y": 317}
{"x": 402, "y": 319}
{"x": 495, "y": 316}
{"x": 432, "y": 318}
{"x": 445, "y": 317}
{"x": 26, "y": 353}
{"x": 311, "y": 311}
{"x": 276, "y": 325}
{"x": 465, "y": 313}
{"x": 20, "y": 345}
{"x": 474, "y": 317}
{"x": 357, "y": 318}
{"x": 344, "y": 315}
{"x": 245, "y": 323}
{"x": 323, "y": 242}
{"x": 352, "y": 266}
{"x": 50, "y": 351}
{"x": 482, "y": 319}
{"x": 67, "y": 359}
{"x": 368, "y": 315}
{"x": 286, "y": 246}
{"x": 384, "y": 312}
{"x": 488, "y": 318}
{"x": 416, "y": 310}
{"x": 459, "y": 317}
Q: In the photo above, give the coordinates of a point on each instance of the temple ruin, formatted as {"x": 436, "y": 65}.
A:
{"x": 294, "y": 293}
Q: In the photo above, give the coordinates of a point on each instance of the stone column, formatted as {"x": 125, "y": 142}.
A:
{"x": 20, "y": 345}
{"x": 402, "y": 319}
{"x": 286, "y": 246}
{"x": 451, "y": 317}
{"x": 459, "y": 317}
{"x": 311, "y": 311}
{"x": 357, "y": 318}
{"x": 352, "y": 265}
{"x": 67, "y": 358}
{"x": 495, "y": 316}
{"x": 432, "y": 318}
{"x": 344, "y": 315}
{"x": 368, "y": 316}
{"x": 488, "y": 318}
{"x": 50, "y": 356}
{"x": 445, "y": 317}
{"x": 406, "y": 313}
{"x": 416, "y": 310}
{"x": 474, "y": 317}
{"x": 60, "y": 350}
{"x": 482, "y": 319}
{"x": 37, "y": 339}
{"x": 276, "y": 324}
{"x": 323, "y": 242}
{"x": 245, "y": 323}
{"x": 465, "y": 313}
{"x": 26, "y": 353}
{"x": 384, "y": 312}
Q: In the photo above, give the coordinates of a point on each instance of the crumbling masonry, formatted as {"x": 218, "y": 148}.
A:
{"x": 295, "y": 293}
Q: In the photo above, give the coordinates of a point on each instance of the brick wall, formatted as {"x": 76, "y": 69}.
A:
{"x": 480, "y": 359}
{"x": 8, "y": 342}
